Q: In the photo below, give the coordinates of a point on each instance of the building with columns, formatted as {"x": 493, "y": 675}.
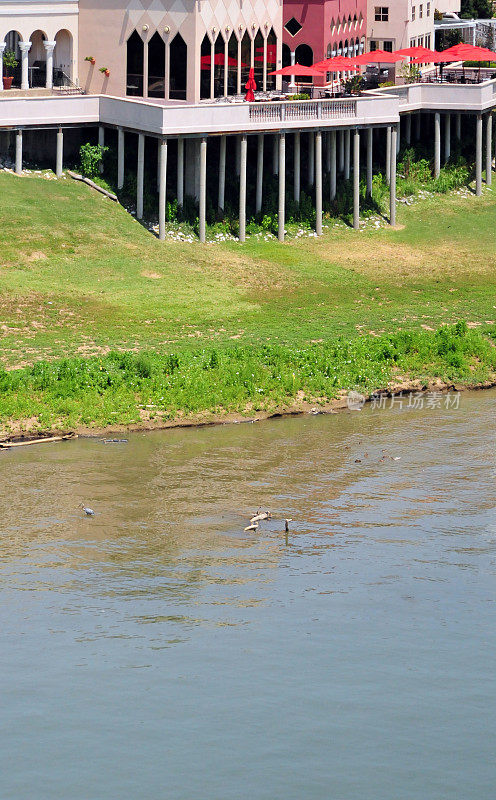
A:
{"x": 184, "y": 50}
{"x": 44, "y": 38}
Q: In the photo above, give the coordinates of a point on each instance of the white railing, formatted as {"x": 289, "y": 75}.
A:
{"x": 307, "y": 110}
{"x": 442, "y": 96}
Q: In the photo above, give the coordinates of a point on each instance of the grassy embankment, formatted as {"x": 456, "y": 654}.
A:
{"x": 227, "y": 327}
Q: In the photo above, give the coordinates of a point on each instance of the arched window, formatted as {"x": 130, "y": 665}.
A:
{"x": 272, "y": 58}
{"x": 219, "y": 67}
{"x": 156, "y": 66}
{"x": 178, "y": 58}
{"x": 259, "y": 57}
{"x": 304, "y": 55}
{"x": 205, "y": 66}
{"x": 245, "y": 58}
{"x": 232, "y": 65}
{"x": 135, "y": 62}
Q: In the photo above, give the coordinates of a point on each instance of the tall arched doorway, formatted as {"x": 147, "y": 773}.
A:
{"x": 135, "y": 63}
{"x": 232, "y": 65}
{"x": 37, "y": 59}
{"x": 286, "y": 55}
{"x": 62, "y": 57}
{"x": 178, "y": 58}
{"x": 304, "y": 55}
{"x": 12, "y": 40}
{"x": 245, "y": 59}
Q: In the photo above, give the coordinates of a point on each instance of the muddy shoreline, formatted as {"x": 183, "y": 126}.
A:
{"x": 298, "y": 408}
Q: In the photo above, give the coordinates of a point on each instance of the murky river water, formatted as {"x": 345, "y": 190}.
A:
{"x": 157, "y": 651}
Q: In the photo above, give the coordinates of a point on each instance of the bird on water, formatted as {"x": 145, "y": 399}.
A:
{"x": 88, "y": 511}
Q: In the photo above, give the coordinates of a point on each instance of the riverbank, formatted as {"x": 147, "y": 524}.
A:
{"x": 126, "y": 391}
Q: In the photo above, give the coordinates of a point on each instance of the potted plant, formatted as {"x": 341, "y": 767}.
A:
{"x": 105, "y": 71}
{"x": 10, "y": 63}
{"x": 91, "y": 59}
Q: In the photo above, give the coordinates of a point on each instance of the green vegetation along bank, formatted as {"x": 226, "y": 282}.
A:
{"x": 101, "y": 324}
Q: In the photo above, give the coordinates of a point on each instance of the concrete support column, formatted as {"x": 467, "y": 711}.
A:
{"x": 447, "y": 137}
{"x": 318, "y": 183}
{"x": 3, "y": 45}
{"x": 275, "y": 154}
{"x": 356, "y": 179}
{"x": 437, "y": 144}
{"x": 180, "y": 172}
{"x": 478, "y": 156}
{"x": 282, "y": 187}
{"x": 140, "y": 176}
{"x": 458, "y": 129}
{"x": 408, "y": 129}
{"x": 260, "y": 165}
{"x": 24, "y": 47}
{"x": 332, "y": 180}
{"x": 238, "y": 155}
{"x": 297, "y": 166}
{"x": 418, "y": 122}
{"x": 341, "y": 152}
{"x": 489, "y": 148}
{"x": 347, "y": 135}
{"x": 162, "y": 186}
{"x": 120, "y": 158}
{"x": 18, "y": 154}
{"x": 222, "y": 173}
{"x": 49, "y": 48}
{"x": 203, "y": 188}
{"x": 226, "y": 71}
{"x": 392, "y": 180}
{"x": 388, "y": 154}
{"x": 328, "y": 153}
{"x": 59, "y": 160}
{"x": 242, "y": 189}
{"x": 101, "y": 142}
{"x": 370, "y": 140}
{"x": 311, "y": 158}
{"x": 264, "y": 77}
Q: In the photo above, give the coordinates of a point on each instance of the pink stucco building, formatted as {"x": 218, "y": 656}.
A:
{"x": 316, "y": 29}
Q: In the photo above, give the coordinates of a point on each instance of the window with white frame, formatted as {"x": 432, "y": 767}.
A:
{"x": 388, "y": 46}
{"x": 421, "y": 11}
{"x": 413, "y": 13}
{"x": 382, "y": 13}
{"x": 428, "y": 9}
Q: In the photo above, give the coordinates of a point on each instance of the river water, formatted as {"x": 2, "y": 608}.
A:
{"x": 158, "y": 651}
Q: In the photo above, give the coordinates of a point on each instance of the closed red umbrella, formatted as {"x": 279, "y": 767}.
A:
{"x": 250, "y": 86}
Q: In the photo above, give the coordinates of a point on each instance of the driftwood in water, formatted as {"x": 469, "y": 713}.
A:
{"x": 93, "y": 185}
{"x": 41, "y": 440}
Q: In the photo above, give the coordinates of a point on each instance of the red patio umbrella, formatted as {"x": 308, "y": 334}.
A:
{"x": 378, "y": 57}
{"x": 298, "y": 69}
{"x": 250, "y": 86}
{"x": 336, "y": 64}
{"x": 416, "y": 52}
{"x": 470, "y": 52}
